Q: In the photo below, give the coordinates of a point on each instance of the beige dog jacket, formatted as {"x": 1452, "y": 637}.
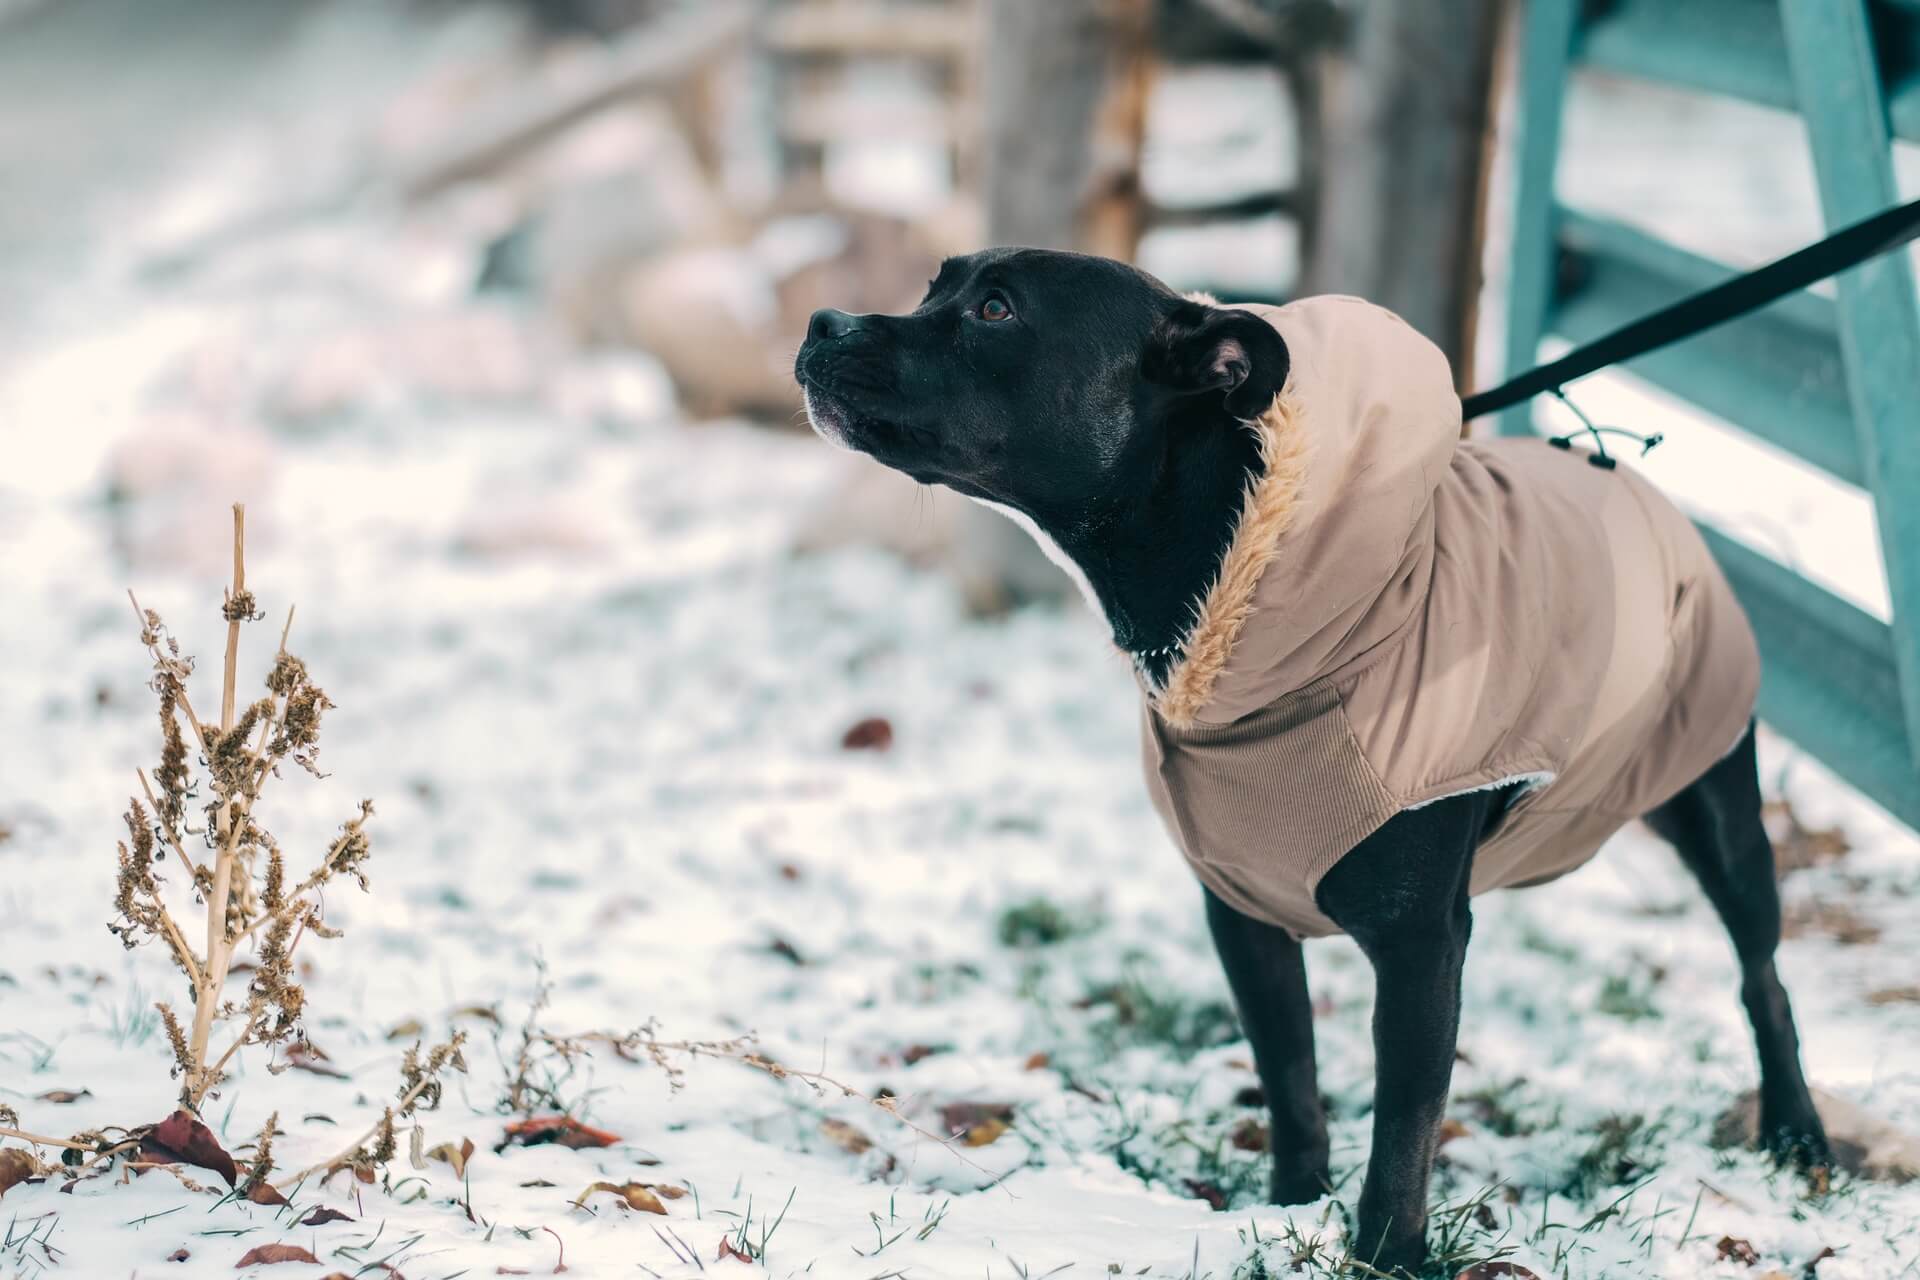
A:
{"x": 1403, "y": 616}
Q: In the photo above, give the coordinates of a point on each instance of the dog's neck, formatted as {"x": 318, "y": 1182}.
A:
{"x": 1148, "y": 558}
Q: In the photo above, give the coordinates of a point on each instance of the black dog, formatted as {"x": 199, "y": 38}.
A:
{"x": 1102, "y": 410}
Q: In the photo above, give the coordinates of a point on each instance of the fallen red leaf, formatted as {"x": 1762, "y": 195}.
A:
{"x": 875, "y": 733}
{"x": 727, "y": 1250}
{"x": 262, "y": 1255}
{"x": 264, "y": 1192}
{"x": 182, "y": 1139}
{"x": 562, "y": 1131}
{"x": 178, "y": 1255}
{"x": 1213, "y": 1195}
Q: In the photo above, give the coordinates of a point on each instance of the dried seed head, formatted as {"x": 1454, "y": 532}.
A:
{"x": 141, "y": 831}
{"x": 240, "y": 608}
{"x": 384, "y": 1145}
{"x": 171, "y": 778}
{"x": 177, "y": 1039}
{"x": 262, "y": 1155}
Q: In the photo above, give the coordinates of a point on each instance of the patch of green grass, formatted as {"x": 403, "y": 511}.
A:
{"x": 1623, "y": 1147}
{"x": 1141, "y": 1013}
{"x": 1460, "y": 1233}
{"x": 1040, "y": 922}
{"x": 1496, "y": 1108}
{"x": 1627, "y": 999}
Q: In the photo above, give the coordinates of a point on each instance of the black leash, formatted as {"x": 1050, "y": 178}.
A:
{"x": 1848, "y": 247}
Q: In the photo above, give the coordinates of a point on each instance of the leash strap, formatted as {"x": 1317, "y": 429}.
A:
{"x": 1848, "y": 247}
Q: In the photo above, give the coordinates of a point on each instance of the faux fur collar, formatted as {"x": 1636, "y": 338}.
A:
{"x": 1266, "y": 512}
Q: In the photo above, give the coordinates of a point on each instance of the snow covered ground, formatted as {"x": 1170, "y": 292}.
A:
{"x": 600, "y": 708}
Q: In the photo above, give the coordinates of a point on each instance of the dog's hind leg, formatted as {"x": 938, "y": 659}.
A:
{"x": 1715, "y": 826}
{"x": 1269, "y": 980}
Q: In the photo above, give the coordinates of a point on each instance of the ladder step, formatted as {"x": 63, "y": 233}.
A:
{"x": 1776, "y": 374}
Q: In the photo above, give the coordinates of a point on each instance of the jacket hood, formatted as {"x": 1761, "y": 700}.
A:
{"x": 1333, "y": 549}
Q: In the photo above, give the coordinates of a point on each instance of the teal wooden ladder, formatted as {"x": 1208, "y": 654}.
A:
{"x": 1835, "y": 383}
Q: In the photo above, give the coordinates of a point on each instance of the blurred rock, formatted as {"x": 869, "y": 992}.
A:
{"x": 610, "y": 193}
{"x": 712, "y": 317}
{"x": 170, "y": 485}
{"x": 476, "y": 353}
{"x": 1864, "y": 1144}
{"x": 550, "y": 526}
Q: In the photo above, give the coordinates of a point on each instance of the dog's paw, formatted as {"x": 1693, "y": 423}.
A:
{"x": 1297, "y": 1186}
{"x": 1798, "y": 1142}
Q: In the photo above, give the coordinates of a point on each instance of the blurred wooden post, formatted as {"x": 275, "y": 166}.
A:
{"x": 1064, "y": 103}
{"x": 1407, "y": 132}
{"x": 1065, "y": 93}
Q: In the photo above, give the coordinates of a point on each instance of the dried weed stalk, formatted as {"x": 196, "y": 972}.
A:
{"x": 421, "y": 1087}
{"x": 239, "y": 877}
{"x": 643, "y": 1044}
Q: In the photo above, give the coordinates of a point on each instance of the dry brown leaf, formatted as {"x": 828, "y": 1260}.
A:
{"x": 64, "y": 1096}
{"x": 727, "y": 1250}
{"x": 322, "y": 1215}
{"x": 875, "y": 733}
{"x": 635, "y": 1195}
{"x": 458, "y": 1156}
{"x": 178, "y": 1255}
{"x": 1838, "y": 920}
{"x": 1451, "y": 1129}
{"x": 16, "y": 1166}
{"x": 1499, "y": 1269}
{"x": 264, "y": 1192}
{"x": 846, "y": 1137}
{"x": 1200, "y": 1190}
{"x": 486, "y": 1013}
{"x": 1039, "y": 1061}
{"x": 182, "y": 1138}
{"x": 977, "y": 1123}
{"x": 309, "y": 1057}
{"x": 1894, "y": 995}
{"x": 411, "y": 1029}
{"x": 987, "y": 1132}
{"x": 1738, "y": 1250}
{"x": 262, "y": 1255}
{"x": 1795, "y": 844}
{"x": 1250, "y": 1135}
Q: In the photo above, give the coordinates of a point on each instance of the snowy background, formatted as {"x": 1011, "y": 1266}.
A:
{"x": 600, "y": 703}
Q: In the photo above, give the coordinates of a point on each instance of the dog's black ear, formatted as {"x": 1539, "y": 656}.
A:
{"x": 1203, "y": 350}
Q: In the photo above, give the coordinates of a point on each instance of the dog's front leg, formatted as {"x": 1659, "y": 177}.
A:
{"x": 1269, "y": 980}
{"x": 1402, "y": 895}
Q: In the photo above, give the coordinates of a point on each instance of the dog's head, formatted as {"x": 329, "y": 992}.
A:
{"x": 1047, "y": 382}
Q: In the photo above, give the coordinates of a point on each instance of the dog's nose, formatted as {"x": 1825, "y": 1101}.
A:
{"x": 828, "y": 323}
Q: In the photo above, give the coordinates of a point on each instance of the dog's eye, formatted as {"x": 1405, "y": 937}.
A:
{"x": 995, "y": 308}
